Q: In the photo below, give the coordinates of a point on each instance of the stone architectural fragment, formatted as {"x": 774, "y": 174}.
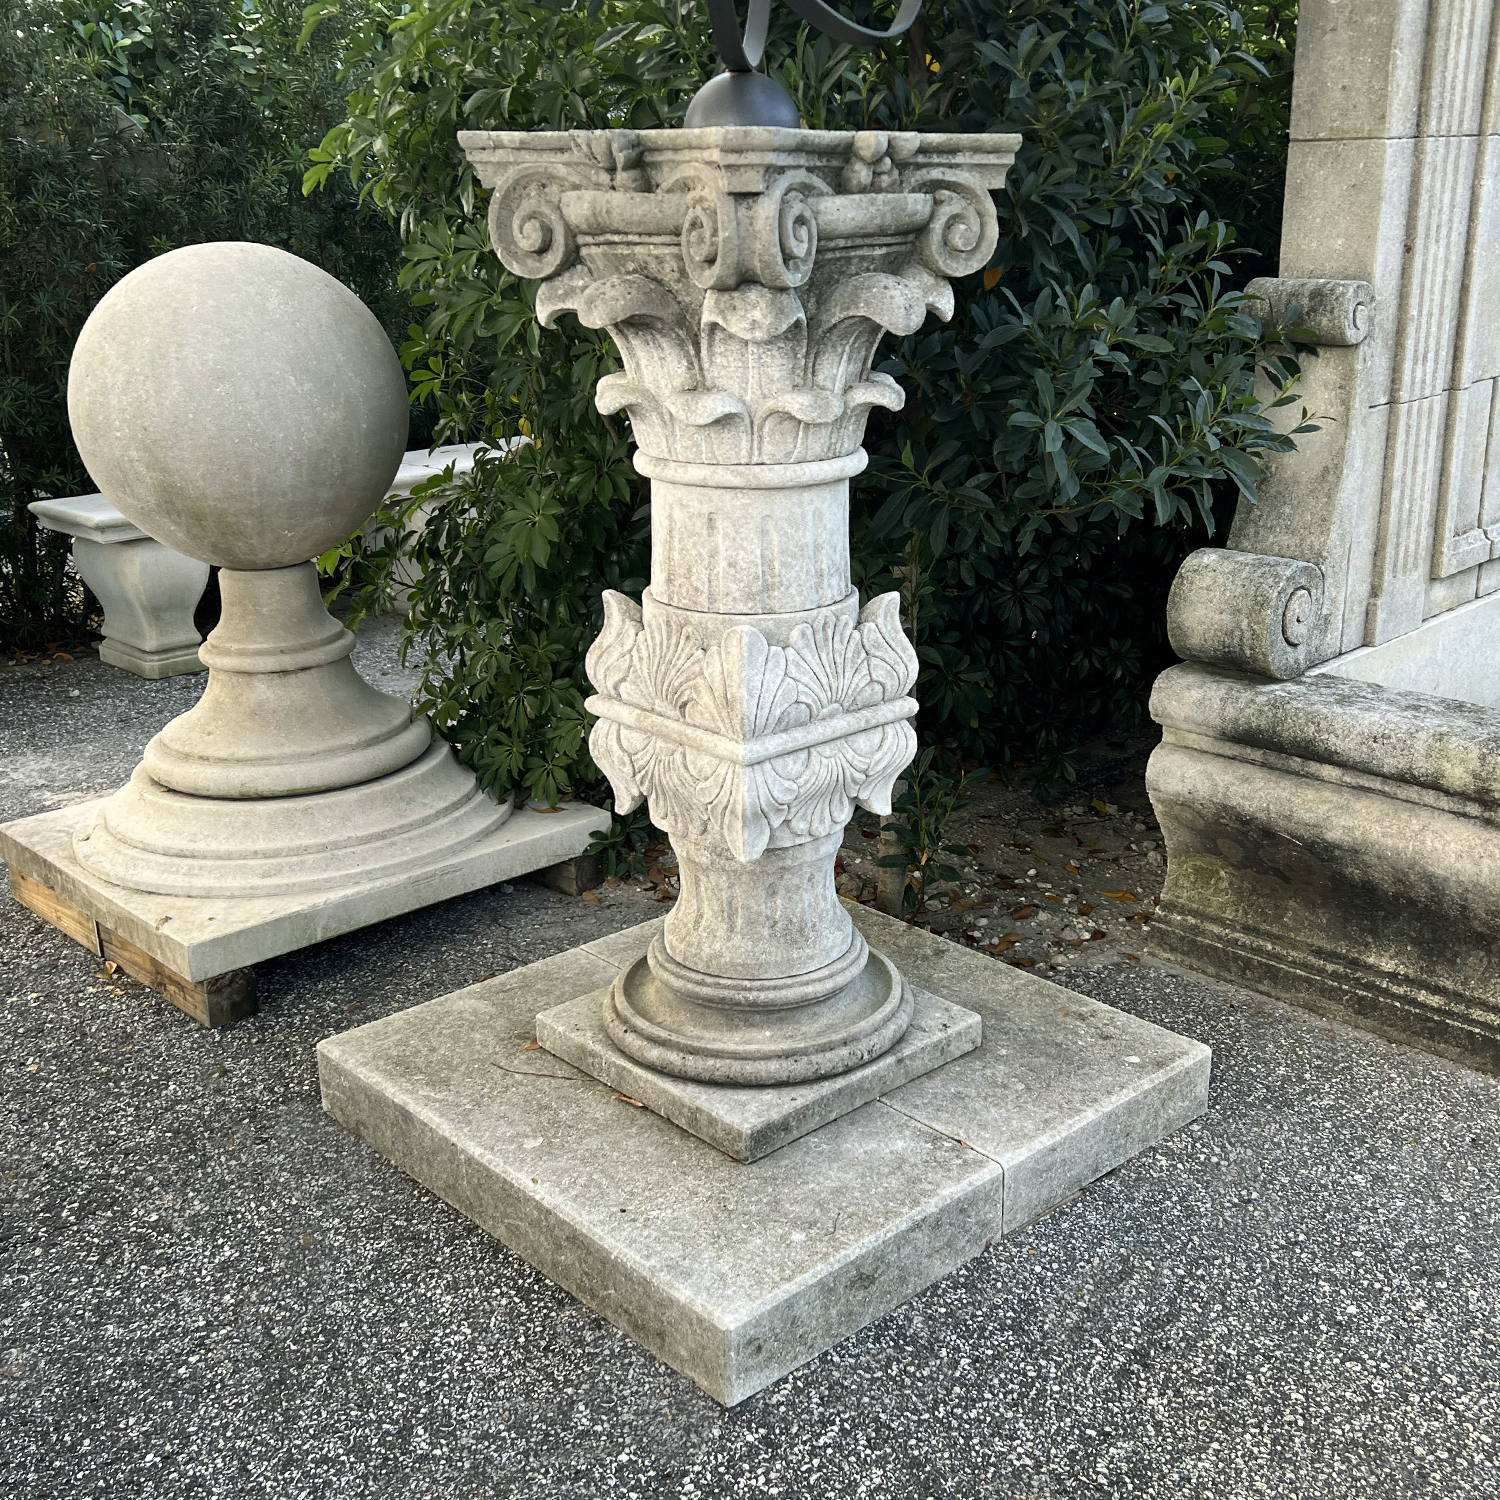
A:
{"x": 1373, "y": 554}
{"x": 746, "y": 276}
{"x": 889, "y": 1103}
{"x": 248, "y": 409}
{"x": 148, "y": 591}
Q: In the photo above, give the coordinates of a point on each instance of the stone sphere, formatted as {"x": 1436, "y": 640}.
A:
{"x": 238, "y": 404}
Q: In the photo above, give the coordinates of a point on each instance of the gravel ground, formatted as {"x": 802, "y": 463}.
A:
{"x": 208, "y": 1289}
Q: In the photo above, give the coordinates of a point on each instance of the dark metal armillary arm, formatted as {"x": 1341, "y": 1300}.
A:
{"x": 741, "y": 96}
{"x": 741, "y": 53}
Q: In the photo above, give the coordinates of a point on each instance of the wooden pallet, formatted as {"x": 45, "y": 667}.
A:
{"x": 574, "y": 876}
{"x": 216, "y": 1001}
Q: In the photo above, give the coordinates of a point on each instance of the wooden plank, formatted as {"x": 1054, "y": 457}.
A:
{"x": 217, "y": 1001}
{"x": 51, "y": 907}
{"x": 573, "y": 876}
{"x": 211, "y": 1002}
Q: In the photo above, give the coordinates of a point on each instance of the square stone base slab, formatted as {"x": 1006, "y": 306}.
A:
{"x": 736, "y": 1273}
{"x": 748, "y": 1123}
{"x": 153, "y": 665}
{"x": 199, "y": 937}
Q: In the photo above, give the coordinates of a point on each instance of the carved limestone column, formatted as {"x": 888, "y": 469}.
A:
{"x": 746, "y": 276}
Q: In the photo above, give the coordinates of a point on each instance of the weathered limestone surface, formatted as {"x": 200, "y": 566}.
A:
{"x": 148, "y": 591}
{"x": 748, "y": 1123}
{"x": 1374, "y": 554}
{"x": 746, "y": 276}
{"x": 734, "y": 1273}
{"x": 1337, "y": 844}
{"x": 200, "y": 936}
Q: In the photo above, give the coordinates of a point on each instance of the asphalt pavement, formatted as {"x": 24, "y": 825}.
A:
{"x": 208, "y": 1289}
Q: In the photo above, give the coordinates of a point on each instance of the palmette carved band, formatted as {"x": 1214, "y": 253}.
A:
{"x": 743, "y": 741}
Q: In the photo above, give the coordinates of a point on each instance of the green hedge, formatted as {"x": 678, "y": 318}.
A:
{"x": 1087, "y": 417}
{"x": 128, "y": 129}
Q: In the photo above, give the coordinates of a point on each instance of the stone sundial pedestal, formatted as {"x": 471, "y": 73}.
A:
{"x": 834, "y": 1109}
{"x": 246, "y": 409}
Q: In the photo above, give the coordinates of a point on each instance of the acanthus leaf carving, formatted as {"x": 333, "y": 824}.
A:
{"x": 745, "y": 741}
{"x": 757, "y": 285}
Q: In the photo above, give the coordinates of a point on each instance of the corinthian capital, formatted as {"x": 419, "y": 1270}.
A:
{"x": 746, "y": 275}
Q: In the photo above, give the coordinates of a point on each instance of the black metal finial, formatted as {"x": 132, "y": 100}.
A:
{"x": 742, "y": 96}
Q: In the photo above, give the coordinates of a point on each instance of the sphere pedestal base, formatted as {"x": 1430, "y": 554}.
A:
{"x": 148, "y": 837}
{"x": 201, "y": 937}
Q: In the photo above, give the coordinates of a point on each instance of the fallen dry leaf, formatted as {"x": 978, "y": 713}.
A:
{"x": 1120, "y": 895}
{"x": 483, "y": 977}
{"x": 591, "y": 896}
{"x": 1130, "y": 958}
{"x": 1085, "y": 910}
{"x": 532, "y": 1046}
{"x": 626, "y": 1099}
{"x": 1023, "y": 913}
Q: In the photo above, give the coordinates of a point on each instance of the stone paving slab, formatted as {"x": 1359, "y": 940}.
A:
{"x": 735, "y": 1273}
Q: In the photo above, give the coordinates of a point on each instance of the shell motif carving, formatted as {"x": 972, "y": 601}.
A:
{"x": 742, "y": 690}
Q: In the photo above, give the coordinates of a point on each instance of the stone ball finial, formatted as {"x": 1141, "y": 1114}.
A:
{"x": 239, "y": 404}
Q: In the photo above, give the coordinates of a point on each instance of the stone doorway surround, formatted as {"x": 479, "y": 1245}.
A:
{"x": 1329, "y": 777}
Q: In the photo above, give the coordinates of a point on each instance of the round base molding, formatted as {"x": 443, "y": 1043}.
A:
{"x": 148, "y": 837}
{"x": 757, "y": 1039}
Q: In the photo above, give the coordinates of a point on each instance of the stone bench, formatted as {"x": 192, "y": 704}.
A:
{"x": 148, "y": 591}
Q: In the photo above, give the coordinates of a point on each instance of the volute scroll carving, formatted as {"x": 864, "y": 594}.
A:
{"x": 785, "y": 254}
